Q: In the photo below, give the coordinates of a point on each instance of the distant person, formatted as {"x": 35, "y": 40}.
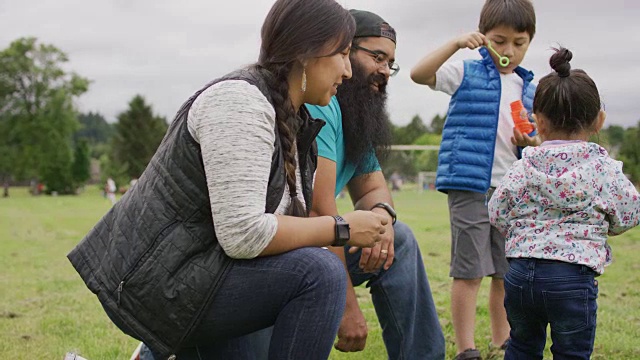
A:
{"x": 479, "y": 143}
{"x": 33, "y": 187}
{"x": 556, "y": 207}
{"x": 396, "y": 181}
{"x": 5, "y": 186}
{"x": 214, "y": 242}
{"x": 110, "y": 190}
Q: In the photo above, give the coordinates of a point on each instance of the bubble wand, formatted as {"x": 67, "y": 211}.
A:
{"x": 504, "y": 61}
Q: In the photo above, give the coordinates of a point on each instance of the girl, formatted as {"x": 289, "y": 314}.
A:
{"x": 556, "y": 207}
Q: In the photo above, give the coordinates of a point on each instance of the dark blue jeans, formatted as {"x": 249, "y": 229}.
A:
{"x": 402, "y": 300}
{"x": 300, "y": 293}
{"x": 545, "y": 292}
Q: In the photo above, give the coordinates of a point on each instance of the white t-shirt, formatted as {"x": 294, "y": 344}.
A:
{"x": 111, "y": 185}
{"x": 448, "y": 80}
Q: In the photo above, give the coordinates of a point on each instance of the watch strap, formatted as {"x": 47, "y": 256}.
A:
{"x": 389, "y": 210}
{"x": 341, "y": 237}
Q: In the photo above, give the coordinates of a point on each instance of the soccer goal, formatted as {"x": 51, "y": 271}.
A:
{"x": 426, "y": 180}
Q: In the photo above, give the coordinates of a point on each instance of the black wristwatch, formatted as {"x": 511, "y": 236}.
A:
{"x": 343, "y": 233}
{"x": 389, "y": 209}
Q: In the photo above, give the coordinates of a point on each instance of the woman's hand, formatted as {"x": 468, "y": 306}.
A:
{"x": 366, "y": 228}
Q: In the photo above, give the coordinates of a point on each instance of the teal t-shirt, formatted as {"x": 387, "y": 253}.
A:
{"x": 331, "y": 145}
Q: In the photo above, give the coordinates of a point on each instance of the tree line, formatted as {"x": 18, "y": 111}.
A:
{"x": 44, "y": 138}
{"x": 623, "y": 144}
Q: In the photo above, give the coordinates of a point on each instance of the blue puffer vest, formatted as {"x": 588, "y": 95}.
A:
{"x": 469, "y": 135}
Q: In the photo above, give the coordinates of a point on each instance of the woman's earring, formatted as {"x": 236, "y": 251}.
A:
{"x": 304, "y": 79}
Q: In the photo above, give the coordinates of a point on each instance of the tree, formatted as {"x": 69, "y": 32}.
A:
{"x": 37, "y": 117}
{"x": 94, "y": 128}
{"x": 615, "y": 134}
{"x": 630, "y": 153}
{"x": 405, "y": 162}
{"x": 81, "y": 168}
{"x": 409, "y": 133}
{"x": 96, "y": 131}
{"x": 427, "y": 160}
{"x": 137, "y": 136}
{"x": 400, "y": 161}
{"x": 437, "y": 124}
{"x": 55, "y": 150}
{"x": 612, "y": 138}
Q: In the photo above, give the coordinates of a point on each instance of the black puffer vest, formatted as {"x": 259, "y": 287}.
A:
{"x": 153, "y": 260}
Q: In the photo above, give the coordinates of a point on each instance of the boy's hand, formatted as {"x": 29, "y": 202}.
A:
{"x": 522, "y": 140}
{"x": 471, "y": 40}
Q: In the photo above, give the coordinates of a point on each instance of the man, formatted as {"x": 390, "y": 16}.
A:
{"x": 357, "y": 125}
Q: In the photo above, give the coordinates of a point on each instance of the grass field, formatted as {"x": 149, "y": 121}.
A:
{"x": 46, "y": 310}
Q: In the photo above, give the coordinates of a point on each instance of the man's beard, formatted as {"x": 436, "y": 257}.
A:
{"x": 365, "y": 121}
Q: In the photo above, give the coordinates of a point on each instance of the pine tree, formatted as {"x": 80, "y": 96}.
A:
{"x": 81, "y": 168}
{"x": 137, "y": 136}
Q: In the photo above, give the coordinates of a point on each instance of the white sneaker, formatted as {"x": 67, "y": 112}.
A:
{"x": 73, "y": 356}
{"x": 136, "y": 353}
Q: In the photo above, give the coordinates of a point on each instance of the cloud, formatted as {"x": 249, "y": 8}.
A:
{"x": 165, "y": 50}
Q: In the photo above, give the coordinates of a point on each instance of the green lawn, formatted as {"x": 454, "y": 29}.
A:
{"x": 46, "y": 310}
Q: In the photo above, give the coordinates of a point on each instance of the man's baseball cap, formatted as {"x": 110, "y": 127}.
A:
{"x": 369, "y": 24}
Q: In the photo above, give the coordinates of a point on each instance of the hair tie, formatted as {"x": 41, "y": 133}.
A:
{"x": 565, "y": 70}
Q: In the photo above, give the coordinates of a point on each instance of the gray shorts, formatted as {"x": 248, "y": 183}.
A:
{"x": 477, "y": 248}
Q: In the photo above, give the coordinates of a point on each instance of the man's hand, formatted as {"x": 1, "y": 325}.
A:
{"x": 383, "y": 253}
{"x": 352, "y": 334}
{"x": 522, "y": 140}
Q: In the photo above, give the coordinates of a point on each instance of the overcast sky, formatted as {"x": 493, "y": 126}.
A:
{"x": 167, "y": 49}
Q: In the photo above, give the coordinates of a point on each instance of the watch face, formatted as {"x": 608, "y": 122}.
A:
{"x": 343, "y": 232}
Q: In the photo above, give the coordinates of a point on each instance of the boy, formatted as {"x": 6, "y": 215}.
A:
{"x": 479, "y": 143}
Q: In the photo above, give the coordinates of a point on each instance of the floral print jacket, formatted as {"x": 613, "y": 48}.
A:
{"x": 561, "y": 200}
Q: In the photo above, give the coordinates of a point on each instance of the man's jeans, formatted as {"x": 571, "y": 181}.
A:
{"x": 301, "y": 294}
{"x": 541, "y": 292}
{"x": 402, "y": 300}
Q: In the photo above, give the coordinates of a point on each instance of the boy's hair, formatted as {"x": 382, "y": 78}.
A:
{"x": 518, "y": 14}
{"x": 568, "y": 99}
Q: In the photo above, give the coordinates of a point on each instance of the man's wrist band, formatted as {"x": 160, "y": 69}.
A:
{"x": 389, "y": 209}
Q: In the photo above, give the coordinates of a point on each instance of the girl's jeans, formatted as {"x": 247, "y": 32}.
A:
{"x": 541, "y": 292}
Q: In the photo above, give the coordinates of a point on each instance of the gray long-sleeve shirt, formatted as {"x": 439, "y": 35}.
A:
{"x": 235, "y": 126}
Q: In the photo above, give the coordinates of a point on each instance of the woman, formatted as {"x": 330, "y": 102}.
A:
{"x": 213, "y": 242}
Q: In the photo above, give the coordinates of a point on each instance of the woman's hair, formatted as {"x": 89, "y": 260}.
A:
{"x": 517, "y": 14}
{"x": 569, "y": 99}
{"x": 295, "y": 30}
